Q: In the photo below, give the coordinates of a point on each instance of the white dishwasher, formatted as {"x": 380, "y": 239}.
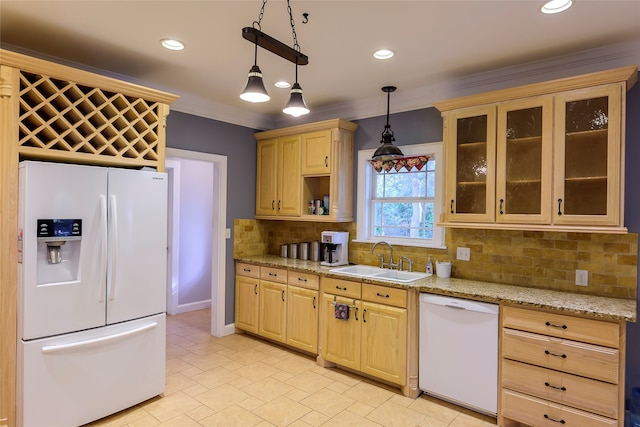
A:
{"x": 459, "y": 351}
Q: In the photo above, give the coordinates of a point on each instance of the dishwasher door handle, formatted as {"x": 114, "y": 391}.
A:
{"x": 455, "y": 306}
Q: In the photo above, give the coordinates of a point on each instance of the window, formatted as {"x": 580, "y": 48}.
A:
{"x": 401, "y": 206}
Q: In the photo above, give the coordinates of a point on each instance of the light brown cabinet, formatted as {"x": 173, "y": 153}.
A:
{"x": 278, "y": 177}
{"x": 278, "y": 304}
{"x": 561, "y": 369}
{"x": 323, "y": 165}
{"x": 373, "y": 340}
{"x": 543, "y": 156}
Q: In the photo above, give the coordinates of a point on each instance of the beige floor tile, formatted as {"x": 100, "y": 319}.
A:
{"x": 257, "y": 371}
{"x": 338, "y": 387}
{"x": 251, "y": 403}
{"x": 361, "y": 409}
{"x": 349, "y": 419}
{"x": 401, "y": 400}
{"x": 432, "y": 422}
{"x": 369, "y": 394}
{"x": 146, "y": 421}
{"x": 233, "y": 416}
{"x": 435, "y": 409}
{"x": 172, "y": 405}
{"x": 267, "y": 389}
{"x": 281, "y": 411}
{"x": 310, "y": 382}
{"x": 467, "y": 420}
{"x": 394, "y": 415}
{"x": 200, "y": 413}
{"x": 299, "y": 423}
{"x": 176, "y": 382}
{"x": 328, "y": 402}
{"x": 221, "y": 397}
{"x": 195, "y": 389}
{"x": 215, "y": 377}
{"x": 315, "y": 418}
{"x": 179, "y": 421}
{"x": 297, "y": 395}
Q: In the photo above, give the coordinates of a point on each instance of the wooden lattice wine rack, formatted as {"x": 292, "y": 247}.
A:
{"x": 65, "y": 114}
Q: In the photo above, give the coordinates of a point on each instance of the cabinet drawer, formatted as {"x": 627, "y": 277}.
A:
{"x": 582, "y": 393}
{"x": 384, "y": 295}
{"x": 559, "y": 325}
{"x": 345, "y": 288}
{"x": 574, "y": 357}
{"x": 540, "y": 413}
{"x": 271, "y": 274}
{"x": 304, "y": 280}
{"x": 247, "y": 270}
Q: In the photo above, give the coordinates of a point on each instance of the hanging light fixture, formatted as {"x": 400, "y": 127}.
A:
{"x": 255, "y": 86}
{"x": 387, "y": 151}
{"x": 255, "y": 91}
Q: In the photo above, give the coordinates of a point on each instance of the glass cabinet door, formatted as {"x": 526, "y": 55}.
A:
{"x": 587, "y": 156}
{"x": 471, "y": 150}
{"x": 524, "y": 147}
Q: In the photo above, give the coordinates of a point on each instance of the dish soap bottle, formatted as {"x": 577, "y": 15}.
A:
{"x": 429, "y": 269}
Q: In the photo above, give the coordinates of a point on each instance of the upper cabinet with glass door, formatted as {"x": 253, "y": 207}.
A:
{"x": 552, "y": 156}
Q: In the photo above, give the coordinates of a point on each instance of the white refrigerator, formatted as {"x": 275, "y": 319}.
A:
{"x": 91, "y": 295}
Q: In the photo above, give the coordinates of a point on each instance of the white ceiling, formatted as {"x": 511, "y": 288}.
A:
{"x": 434, "y": 41}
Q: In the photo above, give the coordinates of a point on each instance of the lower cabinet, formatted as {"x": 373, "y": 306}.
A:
{"x": 559, "y": 369}
{"x": 373, "y": 337}
{"x": 278, "y": 304}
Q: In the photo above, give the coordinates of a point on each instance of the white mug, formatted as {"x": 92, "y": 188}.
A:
{"x": 443, "y": 269}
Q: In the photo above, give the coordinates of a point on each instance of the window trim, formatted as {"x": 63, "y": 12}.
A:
{"x": 364, "y": 183}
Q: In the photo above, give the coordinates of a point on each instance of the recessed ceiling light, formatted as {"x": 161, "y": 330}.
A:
{"x": 282, "y": 84}
{"x": 556, "y": 6}
{"x": 172, "y": 44}
{"x": 383, "y": 54}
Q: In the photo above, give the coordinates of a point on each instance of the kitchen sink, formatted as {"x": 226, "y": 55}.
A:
{"x": 400, "y": 276}
{"x": 372, "y": 272}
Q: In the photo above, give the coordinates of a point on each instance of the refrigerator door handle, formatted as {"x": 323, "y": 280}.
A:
{"x": 54, "y": 348}
{"x": 102, "y": 278}
{"x": 113, "y": 241}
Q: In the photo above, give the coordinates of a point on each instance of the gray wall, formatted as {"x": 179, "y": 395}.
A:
{"x": 187, "y": 132}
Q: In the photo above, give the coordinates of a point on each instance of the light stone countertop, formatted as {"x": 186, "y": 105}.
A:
{"x": 570, "y": 303}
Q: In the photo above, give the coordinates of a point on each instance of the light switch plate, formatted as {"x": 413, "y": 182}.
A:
{"x": 463, "y": 254}
{"x": 227, "y": 233}
{"x": 582, "y": 277}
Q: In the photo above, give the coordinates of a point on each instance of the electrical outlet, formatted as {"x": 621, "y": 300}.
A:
{"x": 227, "y": 233}
{"x": 463, "y": 254}
{"x": 582, "y": 277}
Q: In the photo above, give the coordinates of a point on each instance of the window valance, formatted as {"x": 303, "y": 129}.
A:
{"x": 397, "y": 165}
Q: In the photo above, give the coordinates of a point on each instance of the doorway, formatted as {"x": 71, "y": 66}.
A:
{"x": 196, "y": 234}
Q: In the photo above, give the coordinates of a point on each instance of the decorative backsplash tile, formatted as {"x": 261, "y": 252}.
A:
{"x": 545, "y": 260}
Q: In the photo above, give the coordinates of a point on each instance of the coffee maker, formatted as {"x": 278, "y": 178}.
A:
{"x": 335, "y": 248}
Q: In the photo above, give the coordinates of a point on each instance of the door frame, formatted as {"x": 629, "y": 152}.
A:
{"x": 218, "y": 238}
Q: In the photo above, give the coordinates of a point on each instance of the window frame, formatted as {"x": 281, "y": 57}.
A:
{"x": 365, "y": 183}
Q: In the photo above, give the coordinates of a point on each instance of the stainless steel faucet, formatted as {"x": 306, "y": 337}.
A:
{"x": 383, "y": 264}
{"x": 409, "y": 261}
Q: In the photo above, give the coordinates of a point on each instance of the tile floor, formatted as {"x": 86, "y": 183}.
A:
{"x": 243, "y": 381}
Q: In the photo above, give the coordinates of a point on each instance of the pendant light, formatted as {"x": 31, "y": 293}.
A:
{"x": 296, "y": 106}
{"x": 255, "y": 91}
{"x": 387, "y": 151}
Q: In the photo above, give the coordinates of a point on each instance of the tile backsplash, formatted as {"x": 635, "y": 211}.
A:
{"x": 545, "y": 260}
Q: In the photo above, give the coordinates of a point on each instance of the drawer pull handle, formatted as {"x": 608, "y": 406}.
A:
{"x": 563, "y": 388}
{"x": 501, "y": 203}
{"x": 364, "y": 312}
{"x": 564, "y": 356}
{"x": 326, "y": 161}
{"x": 559, "y": 207}
{"x": 356, "y": 314}
{"x": 300, "y": 279}
{"x": 282, "y": 295}
{"x": 314, "y": 302}
{"x": 255, "y": 289}
{"x": 381, "y": 295}
{"x": 341, "y": 289}
{"x": 451, "y": 206}
{"x": 554, "y": 420}
{"x": 555, "y": 325}
{"x": 246, "y": 269}
{"x": 273, "y": 274}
